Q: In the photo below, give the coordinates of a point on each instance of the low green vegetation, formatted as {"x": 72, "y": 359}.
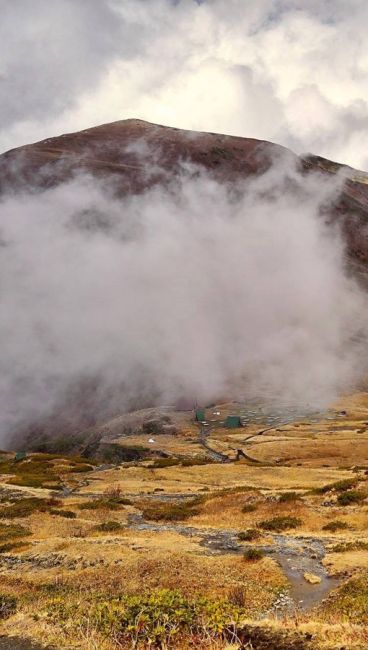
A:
{"x": 350, "y": 497}
{"x": 111, "y": 499}
{"x": 249, "y": 535}
{"x": 278, "y": 524}
{"x": 253, "y": 554}
{"x": 161, "y": 463}
{"x": 350, "y": 601}
{"x": 12, "y": 531}
{"x": 171, "y": 511}
{"x": 161, "y": 619}
{"x": 23, "y": 508}
{"x": 288, "y": 497}
{"x": 12, "y": 546}
{"x": 68, "y": 514}
{"x": 115, "y": 453}
{"x": 338, "y": 486}
{"x": 334, "y": 526}
{"x": 11, "y": 536}
{"x": 347, "y": 547}
{"x": 238, "y": 489}
{"x": 42, "y": 470}
{"x": 109, "y": 527}
{"x": 249, "y": 507}
{"x": 26, "y": 506}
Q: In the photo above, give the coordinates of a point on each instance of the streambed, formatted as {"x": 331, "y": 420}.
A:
{"x": 295, "y": 555}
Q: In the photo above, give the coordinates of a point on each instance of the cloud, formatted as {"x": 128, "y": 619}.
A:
{"x": 196, "y": 289}
{"x": 287, "y": 71}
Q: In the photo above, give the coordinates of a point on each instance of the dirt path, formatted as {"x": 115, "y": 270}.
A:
{"x": 202, "y": 439}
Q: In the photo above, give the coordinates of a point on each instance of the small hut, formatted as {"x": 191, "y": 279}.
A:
{"x": 233, "y": 422}
{"x": 20, "y": 455}
{"x": 200, "y": 415}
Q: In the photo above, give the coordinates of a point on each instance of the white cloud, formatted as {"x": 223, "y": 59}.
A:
{"x": 287, "y": 71}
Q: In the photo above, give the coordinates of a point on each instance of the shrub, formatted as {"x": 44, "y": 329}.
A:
{"x": 161, "y": 463}
{"x": 238, "y": 595}
{"x": 156, "y": 620}
{"x": 68, "y": 514}
{"x": 171, "y": 511}
{"x": 249, "y": 507}
{"x": 8, "y": 606}
{"x": 23, "y": 508}
{"x": 83, "y": 467}
{"x": 338, "y": 486}
{"x": 288, "y": 497}
{"x": 350, "y": 601}
{"x": 115, "y": 453}
{"x": 12, "y": 546}
{"x": 113, "y": 493}
{"x": 279, "y": 524}
{"x": 253, "y": 554}
{"x": 31, "y": 472}
{"x": 249, "y": 535}
{"x": 104, "y": 503}
{"x": 347, "y": 547}
{"x": 333, "y": 526}
{"x": 349, "y": 497}
{"x": 12, "y": 531}
{"x": 109, "y": 526}
{"x": 346, "y": 484}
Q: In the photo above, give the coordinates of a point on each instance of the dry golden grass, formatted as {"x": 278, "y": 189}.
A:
{"x": 226, "y": 512}
{"x": 129, "y": 560}
{"x": 334, "y": 450}
{"x": 181, "y": 445}
{"x": 140, "y": 480}
{"x": 350, "y": 561}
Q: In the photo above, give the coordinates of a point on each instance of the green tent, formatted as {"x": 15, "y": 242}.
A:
{"x": 233, "y": 422}
{"x": 20, "y": 455}
{"x": 200, "y": 415}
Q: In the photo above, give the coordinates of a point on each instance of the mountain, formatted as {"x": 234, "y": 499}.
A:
{"x": 131, "y": 156}
{"x": 134, "y": 155}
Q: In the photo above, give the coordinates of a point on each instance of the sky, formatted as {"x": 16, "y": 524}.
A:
{"x": 291, "y": 71}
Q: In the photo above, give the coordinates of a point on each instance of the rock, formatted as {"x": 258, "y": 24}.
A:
{"x": 169, "y": 429}
{"x": 312, "y": 578}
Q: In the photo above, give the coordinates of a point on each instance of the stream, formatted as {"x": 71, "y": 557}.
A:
{"x": 295, "y": 556}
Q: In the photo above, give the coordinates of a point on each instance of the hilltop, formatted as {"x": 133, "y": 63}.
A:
{"x": 133, "y": 155}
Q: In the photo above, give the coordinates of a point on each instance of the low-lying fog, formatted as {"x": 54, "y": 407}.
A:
{"x": 196, "y": 289}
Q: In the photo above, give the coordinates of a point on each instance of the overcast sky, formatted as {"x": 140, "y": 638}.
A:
{"x": 291, "y": 71}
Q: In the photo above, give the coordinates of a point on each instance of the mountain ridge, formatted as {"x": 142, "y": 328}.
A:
{"x": 135, "y": 155}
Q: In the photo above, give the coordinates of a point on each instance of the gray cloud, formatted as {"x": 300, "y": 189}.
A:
{"x": 191, "y": 290}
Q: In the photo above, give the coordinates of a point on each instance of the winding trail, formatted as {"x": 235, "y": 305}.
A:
{"x": 202, "y": 439}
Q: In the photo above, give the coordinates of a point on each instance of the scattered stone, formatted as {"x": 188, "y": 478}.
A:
{"x": 312, "y": 578}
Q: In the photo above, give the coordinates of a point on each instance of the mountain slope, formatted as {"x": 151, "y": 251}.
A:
{"x": 134, "y": 155}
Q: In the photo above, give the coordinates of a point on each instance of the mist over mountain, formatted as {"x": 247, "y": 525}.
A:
{"x": 141, "y": 264}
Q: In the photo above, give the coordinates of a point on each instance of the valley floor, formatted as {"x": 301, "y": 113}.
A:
{"x": 182, "y": 550}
